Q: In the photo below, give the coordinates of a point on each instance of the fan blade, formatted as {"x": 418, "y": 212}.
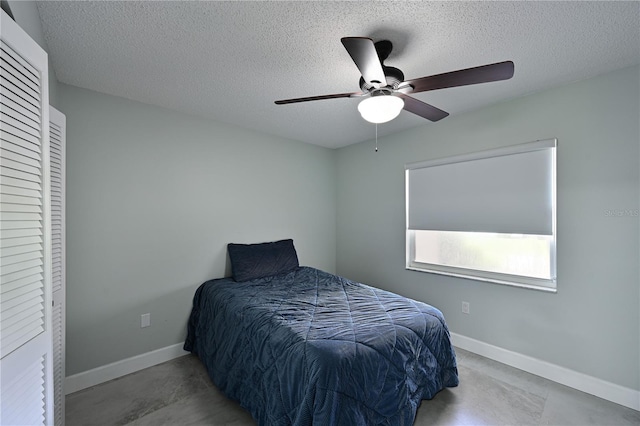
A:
{"x": 364, "y": 54}
{"x": 318, "y": 98}
{"x": 481, "y": 74}
{"x": 422, "y": 109}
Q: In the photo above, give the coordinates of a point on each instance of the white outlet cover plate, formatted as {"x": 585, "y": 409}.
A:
{"x": 145, "y": 320}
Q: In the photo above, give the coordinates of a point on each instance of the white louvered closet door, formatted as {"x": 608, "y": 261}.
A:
{"x": 57, "y": 146}
{"x": 26, "y": 364}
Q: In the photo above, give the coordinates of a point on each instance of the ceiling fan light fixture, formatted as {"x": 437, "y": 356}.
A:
{"x": 381, "y": 108}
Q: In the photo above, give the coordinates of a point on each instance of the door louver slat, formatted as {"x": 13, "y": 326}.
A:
{"x": 26, "y": 388}
{"x": 26, "y": 369}
{"x": 21, "y": 172}
{"x": 57, "y": 136}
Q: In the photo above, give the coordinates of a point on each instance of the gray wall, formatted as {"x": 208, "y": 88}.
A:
{"x": 25, "y": 13}
{"x": 153, "y": 197}
{"x": 592, "y": 324}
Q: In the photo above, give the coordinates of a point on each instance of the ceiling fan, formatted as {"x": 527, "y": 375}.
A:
{"x": 385, "y": 90}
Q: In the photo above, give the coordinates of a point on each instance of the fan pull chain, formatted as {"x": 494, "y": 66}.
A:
{"x": 376, "y": 137}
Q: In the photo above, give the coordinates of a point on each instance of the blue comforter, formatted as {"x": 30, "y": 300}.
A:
{"x": 307, "y": 347}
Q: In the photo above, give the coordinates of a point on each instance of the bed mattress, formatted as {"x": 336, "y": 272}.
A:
{"x": 308, "y": 347}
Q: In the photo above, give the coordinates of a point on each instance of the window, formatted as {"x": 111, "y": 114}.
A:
{"x": 488, "y": 216}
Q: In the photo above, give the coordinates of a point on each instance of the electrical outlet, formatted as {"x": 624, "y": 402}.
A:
{"x": 466, "y": 309}
{"x": 145, "y": 320}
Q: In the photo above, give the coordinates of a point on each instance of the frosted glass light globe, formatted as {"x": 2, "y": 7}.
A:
{"x": 380, "y": 109}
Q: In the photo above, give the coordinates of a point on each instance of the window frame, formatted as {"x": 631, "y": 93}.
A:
{"x": 521, "y": 281}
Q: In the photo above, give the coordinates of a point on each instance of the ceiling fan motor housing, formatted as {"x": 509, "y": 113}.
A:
{"x": 394, "y": 78}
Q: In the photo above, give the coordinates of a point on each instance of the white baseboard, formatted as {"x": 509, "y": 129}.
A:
{"x": 117, "y": 369}
{"x": 582, "y": 382}
{"x": 589, "y": 384}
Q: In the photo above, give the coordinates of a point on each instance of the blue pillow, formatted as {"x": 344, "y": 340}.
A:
{"x": 250, "y": 261}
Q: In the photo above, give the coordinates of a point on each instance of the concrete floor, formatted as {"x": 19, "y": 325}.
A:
{"x": 179, "y": 392}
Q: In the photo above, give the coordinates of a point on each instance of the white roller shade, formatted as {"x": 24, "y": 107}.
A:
{"x": 509, "y": 190}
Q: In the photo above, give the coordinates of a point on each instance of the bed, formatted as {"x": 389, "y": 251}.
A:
{"x": 299, "y": 346}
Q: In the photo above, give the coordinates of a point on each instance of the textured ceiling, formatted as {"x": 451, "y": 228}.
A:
{"x": 229, "y": 61}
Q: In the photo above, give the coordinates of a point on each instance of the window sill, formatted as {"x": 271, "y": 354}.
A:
{"x": 471, "y": 276}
